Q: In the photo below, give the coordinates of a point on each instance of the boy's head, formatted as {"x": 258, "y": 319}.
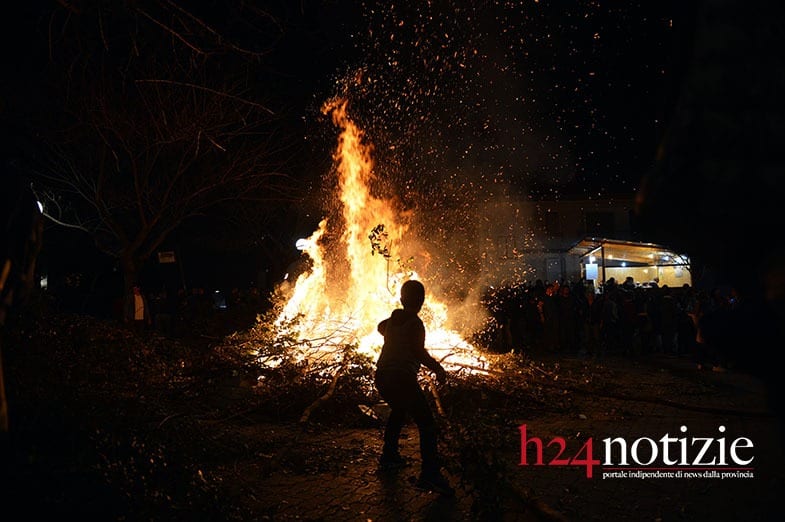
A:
{"x": 412, "y": 295}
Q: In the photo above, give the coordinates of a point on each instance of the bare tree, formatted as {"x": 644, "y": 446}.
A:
{"x": 161, "y": 123}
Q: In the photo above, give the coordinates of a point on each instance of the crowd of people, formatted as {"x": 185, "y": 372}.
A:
{"x": 176, "y": 313}
{"x": 559, "y": 317}
{"x": 620, "y": 319}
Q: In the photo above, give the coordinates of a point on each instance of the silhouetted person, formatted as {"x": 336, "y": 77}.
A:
{"x": 165, "y": 307}
{"x": 610, "y": 333}
{"x": 668, "y": 321}
{"x": 550, "y": 312}
{"x": 396, "y": 379}
{"x": 567, "y": 320}
{"x": 686, "y": 333}
{"x": 137, "y": 313}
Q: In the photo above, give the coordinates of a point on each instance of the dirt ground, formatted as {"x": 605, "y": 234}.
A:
{"x": 109, "y": 426}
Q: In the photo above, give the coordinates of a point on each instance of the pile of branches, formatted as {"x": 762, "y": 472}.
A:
{"x": 111, "y": 424}
{"x": 92, "y": 408}
{"x": 312, "y": 379}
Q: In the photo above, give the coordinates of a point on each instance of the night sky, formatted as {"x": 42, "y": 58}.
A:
{"x": 533, "y": 94}
{"x": 544, "y": 95}
{"x": 476, "y": 98}
{"x": 550, "y": 97}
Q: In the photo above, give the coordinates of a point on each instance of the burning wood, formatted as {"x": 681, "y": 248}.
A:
{"x": 330, "y": 392}
{"x": 340, "y": 300}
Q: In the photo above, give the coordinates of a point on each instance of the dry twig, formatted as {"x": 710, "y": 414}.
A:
{"x": 324, "y": 398}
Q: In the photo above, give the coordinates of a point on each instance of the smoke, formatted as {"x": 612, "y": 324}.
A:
{"x": 471, "y": 107}
{"x": 535, "y": 95}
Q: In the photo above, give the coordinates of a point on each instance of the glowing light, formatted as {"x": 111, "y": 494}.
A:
{"x": 349, "y": 289}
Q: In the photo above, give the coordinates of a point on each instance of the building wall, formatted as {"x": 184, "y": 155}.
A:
{"x": 528, "y": 240}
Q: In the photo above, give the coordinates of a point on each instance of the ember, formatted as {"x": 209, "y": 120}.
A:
{"x": 354, "y": 283}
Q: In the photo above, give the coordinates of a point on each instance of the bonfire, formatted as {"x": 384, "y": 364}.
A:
{"x": 354, "y": 278}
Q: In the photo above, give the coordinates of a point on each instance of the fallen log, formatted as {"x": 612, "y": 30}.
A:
{"x": 324, "y": 398}
{"x": 437, "y": 399}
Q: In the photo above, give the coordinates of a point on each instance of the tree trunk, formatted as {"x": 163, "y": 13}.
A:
{"x": 130, "y": 270}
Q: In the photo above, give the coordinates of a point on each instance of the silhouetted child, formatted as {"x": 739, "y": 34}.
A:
{"x": 396, "y": 379}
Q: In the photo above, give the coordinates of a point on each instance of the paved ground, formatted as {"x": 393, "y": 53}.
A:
{"x": 200, "y": 451}
{"x": 647, "y": 397}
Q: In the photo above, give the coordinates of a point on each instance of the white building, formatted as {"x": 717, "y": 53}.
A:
{"x": 555, "y": 239}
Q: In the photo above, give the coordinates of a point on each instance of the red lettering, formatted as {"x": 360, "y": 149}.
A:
{"x": 562, "y": 446}
{"x": 525, "y": 441}
{"x": 588, "y": 460}
{"x": 584, "y": 456}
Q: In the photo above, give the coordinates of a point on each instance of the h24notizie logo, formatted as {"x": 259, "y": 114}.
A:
{"x": 669, "y": 456}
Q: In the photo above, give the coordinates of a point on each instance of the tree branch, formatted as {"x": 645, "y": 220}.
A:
{"x": 324, "y": 398}
{"x": 208, "y": 89}
{"x": 172, "y": 32}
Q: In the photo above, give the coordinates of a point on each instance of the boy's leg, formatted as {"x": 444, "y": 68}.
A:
{"x": 392, "y": 432}
{"x": 403, "y": 394}
{"x": 431, "y": 478}
{"x": 420, "y": 411}
{"x": 391, "y": 388}
{"x": 410, "y": 398}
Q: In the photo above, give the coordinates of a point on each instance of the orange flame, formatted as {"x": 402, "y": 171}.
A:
{"x": 351, "y": 287}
